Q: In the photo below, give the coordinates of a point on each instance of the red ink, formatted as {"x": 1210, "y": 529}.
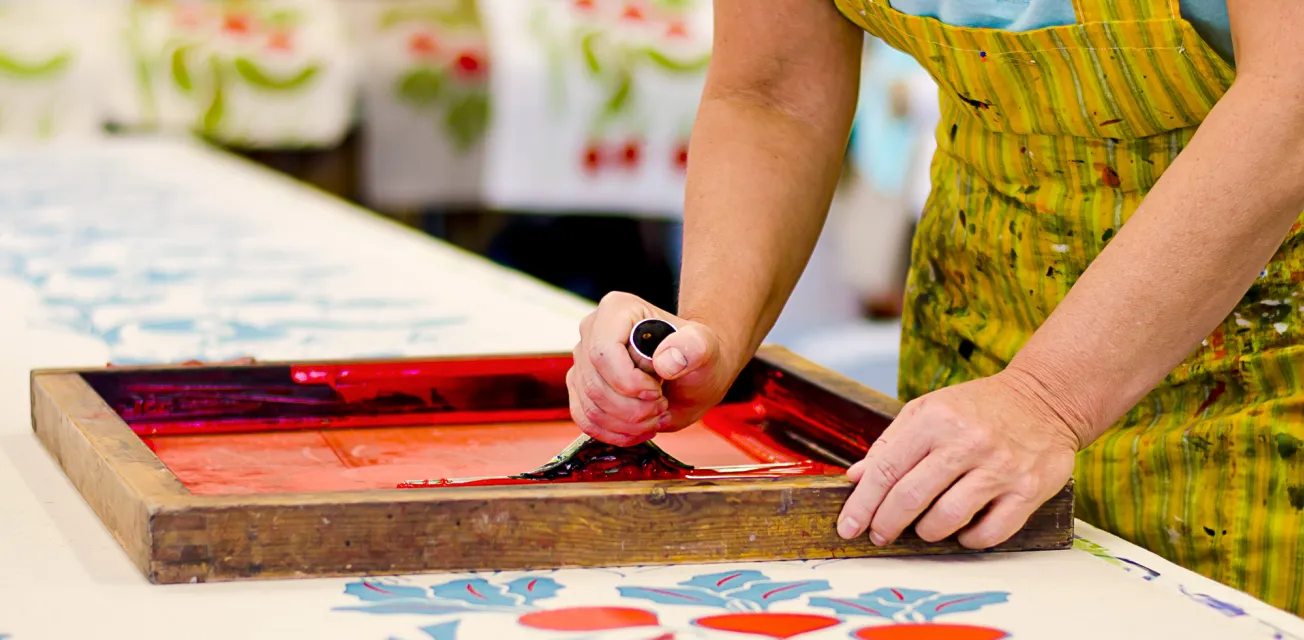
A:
{"x": 770, "y": 625}
{"x": 857, "y": 605}
{"x": 375, "y": 588}
{"x": 256, "y": 429}
{"x": 681, "y": 156}
{"x": 584, "y": 5}
{"x": 929, "y": 631}
{"x": 593, "y": 159}
{"x": 631, "y": 154}
{"x": 944, "y": 605}
{"x": 469, "y": 66}
{"x": 279, "y": 41}
{"x": 898, "y": 595}
{"x": 589, "y": 619}
{"x": 677, "y": 29}
{"x": 1109, "y": 176}
{"x": 471, "y": 590}
{"x": 237, "y": 24}
{"x": 422, "y": 44}
{"x": 633, "y": 12}
{"x": 767, "y": 594}
{"x": 1214, "y": 394}
{"x": 720, "y": 583}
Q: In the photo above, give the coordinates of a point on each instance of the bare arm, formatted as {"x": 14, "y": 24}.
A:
{"x": 1195, "y": 245}
{"x": 767, "y": 149}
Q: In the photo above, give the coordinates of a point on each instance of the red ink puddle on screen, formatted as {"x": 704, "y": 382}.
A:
{"x": 770, "y": 625}
{"x": 589, "y": 619}
{"x": 929, "y": 631}
{"x": 250, "y": 429}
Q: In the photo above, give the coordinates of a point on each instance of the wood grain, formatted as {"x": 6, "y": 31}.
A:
{"x": 117, "y": 475}
{"x": 174, "y": 536}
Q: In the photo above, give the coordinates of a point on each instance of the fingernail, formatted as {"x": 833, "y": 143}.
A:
{"x": 664, "y": 420}
{"x": 649, "y": 395}
{"x": 876, "y": 539}
{"x": 848, "y": 527}
{"x": 676, "y": 361}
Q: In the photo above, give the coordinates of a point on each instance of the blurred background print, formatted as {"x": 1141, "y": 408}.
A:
{"x": 520, "y": 130}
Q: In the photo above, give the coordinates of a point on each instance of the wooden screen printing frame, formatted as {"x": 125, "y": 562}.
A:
{"x": 174, "y": 536}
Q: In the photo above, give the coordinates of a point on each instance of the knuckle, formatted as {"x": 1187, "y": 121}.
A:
{"x": 596, "y": 353}
{"x": 593, "y": 413}
{"x": 885, "y": 472}
{"x": 613, "y": 298}
{"x": 913, "y": 498}
{"x": 592, "y": 390}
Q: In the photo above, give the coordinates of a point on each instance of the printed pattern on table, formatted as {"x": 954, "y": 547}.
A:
{"x": 618, "y": 82}
{"x": 51, "y": 59}
{"x": 249, "y": 74}
{"x": 744, "y": 596}
{"x": 426, "y": 101}
{"x": 118, "y": 250}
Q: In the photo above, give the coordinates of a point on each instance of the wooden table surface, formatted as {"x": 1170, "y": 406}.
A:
{"x": 164, "y": 251}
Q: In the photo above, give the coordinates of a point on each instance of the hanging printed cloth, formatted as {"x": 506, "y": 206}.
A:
{"x": 593, "y": 103}
{"x": 51, "y": 60}
{"x": 247, "y": 73}
{"x": 425, "y": 101}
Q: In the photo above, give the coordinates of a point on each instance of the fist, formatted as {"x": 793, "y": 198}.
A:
{"x": 618, "y": 399}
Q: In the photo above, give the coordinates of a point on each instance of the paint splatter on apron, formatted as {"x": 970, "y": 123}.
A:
{"x": 1049, "y": 139}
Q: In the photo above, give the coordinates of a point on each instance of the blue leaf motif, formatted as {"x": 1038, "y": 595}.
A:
{"x": 727, "y": 581}
{"x": 964, "y": 602}
{"x": 767, "y": 593}
{"x": 441, "y": 631}
{"x": 531, "y": 589}
{"x": 910, "y": 605}
{"x": 675, "y": 595}
{"x": 852, "y": 607}
{"x": 477, "y": 592}
{"x": 377, "y": 592}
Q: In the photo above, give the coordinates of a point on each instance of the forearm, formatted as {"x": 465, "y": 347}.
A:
{"x": 1179, "y": 266}
{"x": 759, "y": 186}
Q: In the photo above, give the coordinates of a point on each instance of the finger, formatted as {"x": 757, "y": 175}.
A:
{"x": 957, "y": 507}
{"x": 885, "y": 465}
{"x": 605, "y": 348}
{"x": 619, "y": 407}
{"x": 583, "y": 414}
{"x": 1009, "y": 512}
{"x": 913, "y": 494}
{"x": 686, "y": 350}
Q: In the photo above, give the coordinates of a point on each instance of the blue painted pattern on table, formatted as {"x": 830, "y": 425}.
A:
{"x": 909, "y": 605}
{"x": 746, "y": 590}
{"x": 161, "y": 270}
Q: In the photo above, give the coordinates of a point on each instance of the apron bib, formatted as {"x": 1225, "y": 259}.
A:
{"x": 1048, "y": 141}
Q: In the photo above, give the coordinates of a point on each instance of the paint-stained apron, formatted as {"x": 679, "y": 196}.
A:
{"x": 1049, "y": 139}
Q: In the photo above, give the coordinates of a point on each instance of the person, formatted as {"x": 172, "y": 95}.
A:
{"x": 1105, "y": 283}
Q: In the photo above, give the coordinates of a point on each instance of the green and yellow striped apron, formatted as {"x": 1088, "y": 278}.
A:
{"x": 1049, "y": 139}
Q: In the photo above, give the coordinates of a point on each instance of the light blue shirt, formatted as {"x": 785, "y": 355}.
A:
{"x": 1209, "y": 17}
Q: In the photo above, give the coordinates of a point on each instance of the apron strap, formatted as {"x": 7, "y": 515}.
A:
{"x": 1125, "y": 10}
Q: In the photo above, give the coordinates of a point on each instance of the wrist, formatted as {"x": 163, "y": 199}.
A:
{"x": 1051, "y": 394}
{"x": 734, "y": 339}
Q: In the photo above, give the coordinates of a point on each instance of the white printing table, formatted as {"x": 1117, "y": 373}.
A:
{"x": 164, "y": 251}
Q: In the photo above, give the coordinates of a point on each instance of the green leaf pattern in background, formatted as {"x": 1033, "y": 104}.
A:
{"x": 468, "y": 119}
{"x": 259, "y": 77}
{"x": 41, "y": 70}
{"x": 460, "y": 104}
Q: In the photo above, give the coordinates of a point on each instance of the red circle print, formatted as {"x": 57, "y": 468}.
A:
{"x": 929, "y": 632}
{"x": 469, "y": 65}
{"x": 589, "y": 619}
{"x": 770, "y": 625}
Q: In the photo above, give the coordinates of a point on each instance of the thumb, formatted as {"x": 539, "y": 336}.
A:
{"x": 684, "y": 351}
